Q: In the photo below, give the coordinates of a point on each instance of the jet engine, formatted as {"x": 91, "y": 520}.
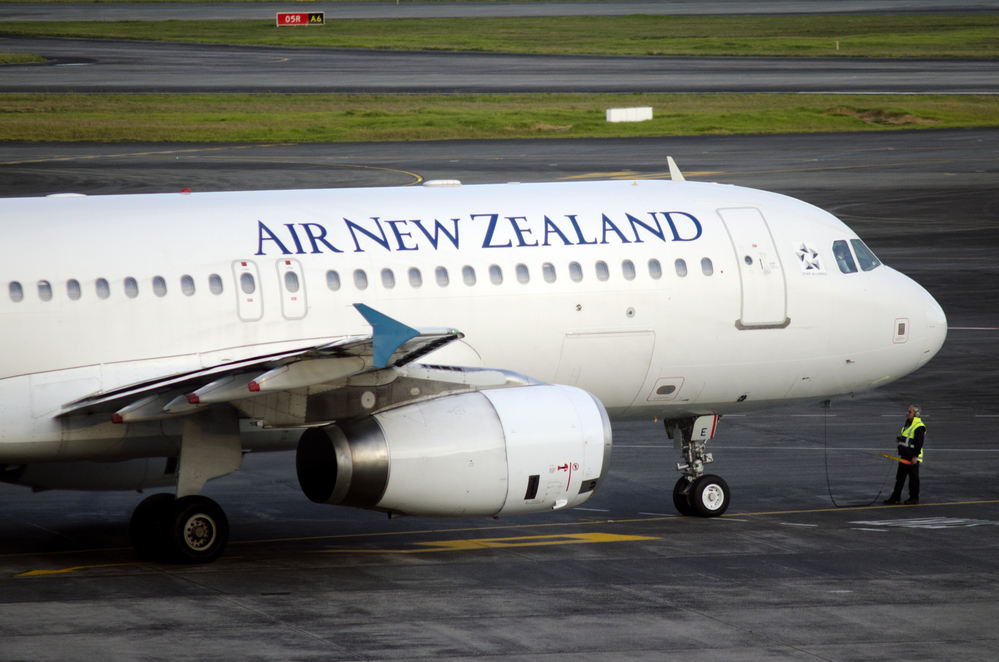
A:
{"x": 484, "y": 453}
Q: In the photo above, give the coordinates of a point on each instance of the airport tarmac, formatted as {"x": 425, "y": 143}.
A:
{"x": 784, "y": 575}
{"x": 209, "y": 11}
{"x": 108, "y": 66}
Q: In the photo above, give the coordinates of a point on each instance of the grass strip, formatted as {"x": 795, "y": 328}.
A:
{"x": 19, "y": 58}
{"x": 931, "y": 36}
{"x": 349, "y": 118}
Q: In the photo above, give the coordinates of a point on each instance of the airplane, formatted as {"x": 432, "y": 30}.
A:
{"x": 438, "y": 350}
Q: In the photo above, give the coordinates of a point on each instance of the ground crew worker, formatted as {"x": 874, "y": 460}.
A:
{"x": 910, "y": 447}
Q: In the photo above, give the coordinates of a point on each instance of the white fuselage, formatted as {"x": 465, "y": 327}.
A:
{"x": 576, "y": 284}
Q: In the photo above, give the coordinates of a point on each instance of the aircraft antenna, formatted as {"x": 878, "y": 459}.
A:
{"x": 674, "y": 170}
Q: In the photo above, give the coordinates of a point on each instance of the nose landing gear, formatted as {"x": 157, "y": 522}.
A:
{"x": 697, "y": 493}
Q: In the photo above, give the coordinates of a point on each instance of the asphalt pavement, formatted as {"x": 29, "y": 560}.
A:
{"x": 223, "y": 11}
{"x": 80, "y": 65}
{"x": 807, "y": 563}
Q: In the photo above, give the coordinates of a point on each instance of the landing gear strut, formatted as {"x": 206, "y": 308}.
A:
{"x": 696, "y": 493}
{"x": 191, "y": 528}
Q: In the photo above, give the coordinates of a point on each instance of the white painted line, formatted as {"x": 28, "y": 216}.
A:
{"x": 850, "y": 448}
{"x": 879, "y": 449}
{"x": 857, "y": 528}
{"x": 728, "y": 519}
{"x": 595, "y": 510}
{"x": 668, "y": 445}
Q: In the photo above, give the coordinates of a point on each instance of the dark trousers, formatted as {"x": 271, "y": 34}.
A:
{"x": 912, "y": 471}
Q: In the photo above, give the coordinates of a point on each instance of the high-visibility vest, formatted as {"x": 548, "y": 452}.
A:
{"x": 909, "y": 431}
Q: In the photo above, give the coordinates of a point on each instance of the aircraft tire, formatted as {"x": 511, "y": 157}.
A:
{"x": 681, "y": 501}
{"x": 198, "y": 530}
{"x": 709, "y": 496}
{"x": 147, "y": 526}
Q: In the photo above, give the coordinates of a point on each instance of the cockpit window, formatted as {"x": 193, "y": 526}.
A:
{"x": 844, "y": 258}
{"x": 864, "y": 255}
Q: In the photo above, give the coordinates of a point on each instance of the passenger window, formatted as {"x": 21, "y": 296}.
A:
{"x": 246, "y": 283}
{"x": 291, "y": 281}
{"x": 603, "y": 273}
{"x": 706, "y": 267}
{"x": 73, "y": 289}
{"x": 575, "y": 272}
{"x": 131, "y": 288}
{"x": 159, "y": 286}
{"x": 103, "y": 289}
{"x": 864, "y": 255}
{"x": 360, "y": 279}
{"x": 388, "y": 279}
{"x": 333, "y": 280}
{"x": 844, "y": 258}
{"x": 523, "y": 275}
{"x": 495, "y": 275}
{"x": 415, "y": 277}
{"x": 187, "y": 285}
{"x": 468, "y": 275}
{"x": 548, "y": 272}
{"x": 44, "y": 290}
{"x": 215, "y": 284}
{"x": 16, "y": 291}
{"x": 681, "y": 268}
{"x": 655, "y": 269}
{"x": 628, "y": 270}
{"x": 440, "y": 273}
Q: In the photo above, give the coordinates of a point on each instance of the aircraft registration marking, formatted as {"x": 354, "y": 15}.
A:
{"x": 498, "y": 543}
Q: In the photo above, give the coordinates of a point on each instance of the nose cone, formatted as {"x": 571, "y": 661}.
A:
{"x": 936, "y": 330}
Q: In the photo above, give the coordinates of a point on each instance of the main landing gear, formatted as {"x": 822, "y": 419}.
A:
{"x": 696, "y": 493}
{"x": 191, "y": 529}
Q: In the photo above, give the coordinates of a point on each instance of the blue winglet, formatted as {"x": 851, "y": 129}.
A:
{"x": 388, "y": 334}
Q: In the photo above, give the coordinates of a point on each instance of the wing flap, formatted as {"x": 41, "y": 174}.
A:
{"x": 391, "y": 343}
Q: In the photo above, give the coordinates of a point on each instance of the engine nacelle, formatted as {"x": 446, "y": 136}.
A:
{"x": 494, "y": 452}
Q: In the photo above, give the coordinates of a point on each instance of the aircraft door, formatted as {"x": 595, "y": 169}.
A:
{"x": 249, "y": 297}
{"x": 291, "y": 280}
{"x": 764, "y": 290}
